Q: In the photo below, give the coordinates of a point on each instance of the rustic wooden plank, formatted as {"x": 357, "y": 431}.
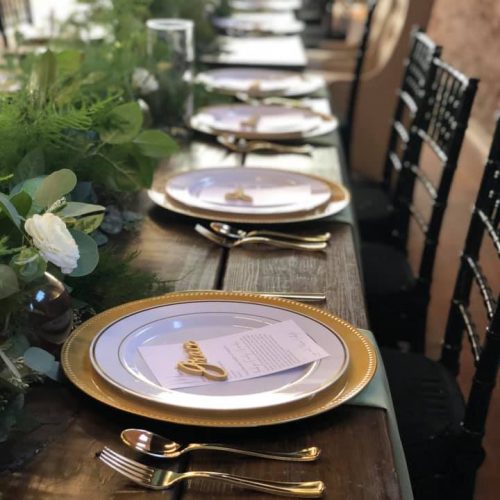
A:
{"x": 167, "y": 242}
{"x": 65, "y": 465}
{"x": 351, "y": 466}
{"x": 72, "y": 426}
{"x": 333, "y": 272}
{"x": 355, "y": 462}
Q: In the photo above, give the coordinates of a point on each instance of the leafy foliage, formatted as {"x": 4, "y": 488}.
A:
{"x": 56, "y": 124}
{"x": 116, "y": 281}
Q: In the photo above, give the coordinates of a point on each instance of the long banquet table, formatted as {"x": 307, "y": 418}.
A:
{"x": 56, "y": 458}
{"x": 357, "y": 459}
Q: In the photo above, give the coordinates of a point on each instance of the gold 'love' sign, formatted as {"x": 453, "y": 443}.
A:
{"x": 197, "y": 364}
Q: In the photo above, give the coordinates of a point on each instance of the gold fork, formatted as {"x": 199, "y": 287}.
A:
{"x": 161, "y": 479}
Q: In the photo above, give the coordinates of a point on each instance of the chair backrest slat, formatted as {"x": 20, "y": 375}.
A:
{"x": 425, "y": 181}
{"x": 483, "y": 383}
{"x": 472, "y": 334}
{"x": 482, "y": 283}
{"x": 415, "y": 86}
{"x": 440, "y": 123}
{"x": 486, "y": 353}
{"x": 484, "y": 223}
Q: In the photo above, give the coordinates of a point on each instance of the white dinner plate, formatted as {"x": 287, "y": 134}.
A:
{"x": 114, "y": 354}
{"x": 266, "y": 5}
{"x": 260, "y": 22}
{"x": 260, "y": 82}
{"x": 247, "y": 190}
{"x": 262, "y": 122}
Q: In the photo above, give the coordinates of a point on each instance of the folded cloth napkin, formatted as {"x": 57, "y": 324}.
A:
{"x": 378, "y": 395}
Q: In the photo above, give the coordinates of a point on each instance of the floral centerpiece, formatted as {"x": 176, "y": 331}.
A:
{"x": 44, "y": 236}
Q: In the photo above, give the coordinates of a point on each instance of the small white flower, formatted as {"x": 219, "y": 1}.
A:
{"x": 144, "y": 81}
{"x": 52, "y": 238}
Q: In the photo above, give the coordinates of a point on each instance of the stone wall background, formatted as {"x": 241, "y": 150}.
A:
{"x": 469, "y": 31}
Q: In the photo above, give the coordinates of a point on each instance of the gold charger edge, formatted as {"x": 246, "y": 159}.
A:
{"x": 76, "y": 363}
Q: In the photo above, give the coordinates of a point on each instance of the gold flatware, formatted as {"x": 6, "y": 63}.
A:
{"x": 229, "y": 243}
{"x": 235, "y": 233}
{"x": 158, "y": 446}
{"x": 240, "y": 145}
{"x": 160, "y": 479}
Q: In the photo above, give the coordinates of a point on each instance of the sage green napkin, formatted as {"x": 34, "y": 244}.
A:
{"x": 378, "y": 395}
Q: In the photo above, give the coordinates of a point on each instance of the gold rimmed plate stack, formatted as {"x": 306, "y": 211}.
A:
{"x": 102, "y": 358}
{"x": 261, "y": 23}
{"x": 263, "y": 122}
{"x": 251, "y": 195}
{"x": 260, "y": 82}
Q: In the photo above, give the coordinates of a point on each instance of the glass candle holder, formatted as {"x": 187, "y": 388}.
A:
{"x": 171, "y": 54}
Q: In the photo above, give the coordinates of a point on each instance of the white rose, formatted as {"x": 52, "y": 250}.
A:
{"x": 52, "y": 238}
{"x": 144, "y": 81}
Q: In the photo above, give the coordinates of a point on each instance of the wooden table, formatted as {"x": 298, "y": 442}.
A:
{"x": 57, "y": 458}
{"x": 357, "y": 460}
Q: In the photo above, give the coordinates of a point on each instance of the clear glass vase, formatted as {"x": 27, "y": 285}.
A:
{"x": 171, "y": 58}
{"x": 50, "y": 312}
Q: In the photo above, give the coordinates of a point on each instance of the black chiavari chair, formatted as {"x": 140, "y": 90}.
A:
{"x": 374, "y": 201}
{"x": 346, "y": 128}
{"x": 397, "y": 299}
{"x": 442, "y": 434}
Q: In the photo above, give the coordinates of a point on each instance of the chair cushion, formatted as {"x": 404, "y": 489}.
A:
{"x": 374, "y": 210}
{"x": 371, "y": 200}
{"x": 427, "y": 399}
{"x": 386, "y": 270}
{"x": 429, "y": 409}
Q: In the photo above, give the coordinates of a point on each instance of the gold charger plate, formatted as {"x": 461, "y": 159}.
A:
{"x": 327, "y": 123}
{"x": 76, "y": 363}
{"x": 340, "y": 198}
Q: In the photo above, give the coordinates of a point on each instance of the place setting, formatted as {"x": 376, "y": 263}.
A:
{"x": 259, "y": 23}
{"x": 216, "y": 359}
{"x": 247, "y": 195}
{"x": 260, "y": 82}
{"x": 266, "y": 5}
{"x": 219, "y": 359}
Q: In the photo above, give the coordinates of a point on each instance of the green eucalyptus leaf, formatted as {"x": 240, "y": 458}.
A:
{"x": 38, "y": 360}
{"x": 69, "y": 62}
{"x": 155, "y": 144}
{"x": 77, "y": 209}
{"x": 29, "y": 186}
{"x": 8, "y": 209}
{"x": 29, "y": 264}
{"x": 8, "y": 281}
{"x": 54, "y": 187}
{"x": 22, "y": 201}
{"x": 122, "y": 124}
{"x": 89, "y": 254}
{"x": 32, "y": 165}
{"x": 89, "y": 223}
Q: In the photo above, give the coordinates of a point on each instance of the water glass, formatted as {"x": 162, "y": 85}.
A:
{"x": 171, "y": 54}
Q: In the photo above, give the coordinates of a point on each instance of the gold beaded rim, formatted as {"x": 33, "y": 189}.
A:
{"x": 75, "y": 360}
